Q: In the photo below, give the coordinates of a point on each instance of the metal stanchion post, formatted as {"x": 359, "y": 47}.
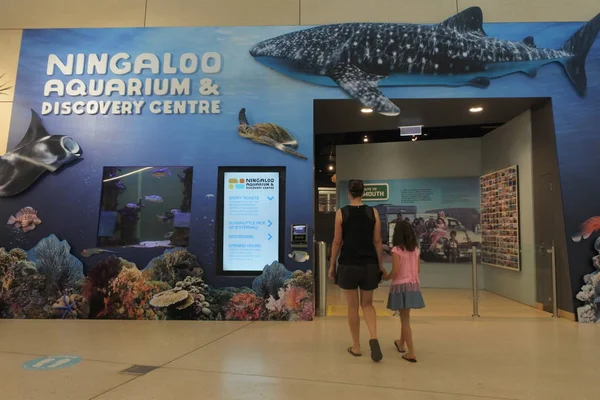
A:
{"x": 475, "y": 284}
{"x": 322, "y": 271}
{"x": 552, "y": 252}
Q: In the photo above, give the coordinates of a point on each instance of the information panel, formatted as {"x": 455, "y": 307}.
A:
{"x": 250, "y": 224}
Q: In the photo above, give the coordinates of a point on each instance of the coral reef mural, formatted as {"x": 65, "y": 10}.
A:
{"x": 97, "y": 203}
{"x": 48, "y": 282}
{"x": 590, "y": 292}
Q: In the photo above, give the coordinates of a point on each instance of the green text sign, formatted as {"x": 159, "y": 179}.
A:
{"x": 376, "y": 192}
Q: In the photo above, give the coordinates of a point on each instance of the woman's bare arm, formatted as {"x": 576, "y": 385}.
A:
{"x": 337, "y": 244}
{"x": 377, "y": 240}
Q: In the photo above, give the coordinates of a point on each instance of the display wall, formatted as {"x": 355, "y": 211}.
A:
{"x": 129, "y": 112}
{"x": 511, "y": 144}
{"x": 508, "y": 145}
{"x": 282, "y": 99}
{"x": 402, "y": 162}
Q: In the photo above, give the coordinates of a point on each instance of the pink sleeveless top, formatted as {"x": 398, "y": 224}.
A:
{"x": 409, "y": 266}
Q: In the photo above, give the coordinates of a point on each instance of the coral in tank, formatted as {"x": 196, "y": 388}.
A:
{"x": 181, "y": 232}
{"x": 172, "y": 266}
{"x": 245, "y": 307}
{"x": 187, "y": 180}
{"x": 271, "y": 280}
{"x": 127, "y": 225}
{"x": 589, "y": 294}
{"x": 112, "y": 188}
{"x": 96, "y": 285}
{"x": 53, "y": 259}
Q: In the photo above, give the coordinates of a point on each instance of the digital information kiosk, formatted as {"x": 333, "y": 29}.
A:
{"x": 251, "y": 203}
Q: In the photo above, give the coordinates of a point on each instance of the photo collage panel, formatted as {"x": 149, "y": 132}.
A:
{"x": 500, "y": 219}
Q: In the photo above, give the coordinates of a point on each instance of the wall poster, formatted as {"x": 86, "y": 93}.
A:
{"x": 443, "y": 212}
{"x": 500, "y": 219}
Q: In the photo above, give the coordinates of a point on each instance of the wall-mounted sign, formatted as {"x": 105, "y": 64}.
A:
{"x": 251, "y": 208}
{"x": 51, "y": 362}
{"x": 376, "y": 192}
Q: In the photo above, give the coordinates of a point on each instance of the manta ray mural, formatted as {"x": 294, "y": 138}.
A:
{"x": 361, "y": 57}
{"x": 36, "y": 153}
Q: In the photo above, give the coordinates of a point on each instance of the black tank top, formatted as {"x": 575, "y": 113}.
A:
{"x": 358, "y": 223}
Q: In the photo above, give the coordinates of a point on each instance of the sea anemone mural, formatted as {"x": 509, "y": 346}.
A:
{"x": 47, "y": 281}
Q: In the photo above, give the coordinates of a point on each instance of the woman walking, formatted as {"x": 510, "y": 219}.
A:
{"x": 358, "y": 236}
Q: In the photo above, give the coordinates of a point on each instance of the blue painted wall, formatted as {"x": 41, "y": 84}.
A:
{"x": 68, "y": 202}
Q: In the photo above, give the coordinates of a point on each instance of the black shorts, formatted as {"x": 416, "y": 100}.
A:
{"x": 352, "y": 277}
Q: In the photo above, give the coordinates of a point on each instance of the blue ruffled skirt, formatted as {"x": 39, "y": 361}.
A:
{"x": 405, "y": 296}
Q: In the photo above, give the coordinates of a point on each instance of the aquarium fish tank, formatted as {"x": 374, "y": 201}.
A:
{"x": 146, "y": 206}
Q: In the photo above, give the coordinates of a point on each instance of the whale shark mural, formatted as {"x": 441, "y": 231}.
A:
{"x": 36, "y": 153}
{"x": 361, "y": 57}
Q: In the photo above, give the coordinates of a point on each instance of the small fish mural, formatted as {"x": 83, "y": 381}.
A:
{"x": 132, "y": 205}
{"x": 168, "y": 235}
{"x": 590, "y": 226}
{"x": 25, "y": 219}
{"x": 154, "y": 198}
{"x": 299, "y": 256}
{"x": 94, "y": 251}
{"x": 210, "y": 196}
{"x": 161, "y": 172}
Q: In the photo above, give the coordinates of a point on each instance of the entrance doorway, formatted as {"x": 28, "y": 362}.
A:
{"x": 450, "y": 178}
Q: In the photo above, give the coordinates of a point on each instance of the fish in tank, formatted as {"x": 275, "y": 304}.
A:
{"x": 139, "y": 210}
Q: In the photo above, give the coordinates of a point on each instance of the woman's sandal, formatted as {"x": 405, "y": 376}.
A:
{"x": 353, "y": 353}
{"x": 376, "y": 354}
{"x": 400, "y": 350}
{"x": 410, "y": 360}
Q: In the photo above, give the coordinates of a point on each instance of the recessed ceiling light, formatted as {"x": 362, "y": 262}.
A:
{"x": 476, "y": 109}
{"x": 366, "y": 139}
{"x": 330, "y": 167}
{"x": 414, "y": 138}
{"x": 366, "y": 110}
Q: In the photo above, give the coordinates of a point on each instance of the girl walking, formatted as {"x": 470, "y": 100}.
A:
{"x": 405, "y": 291}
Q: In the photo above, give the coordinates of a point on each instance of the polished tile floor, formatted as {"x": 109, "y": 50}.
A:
{"x": 512, "y": 352}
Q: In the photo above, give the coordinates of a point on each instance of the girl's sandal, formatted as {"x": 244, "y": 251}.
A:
{"x": 400, "y": 350}
{"x": 353, "y": 353}
{"x": 410, "y": 360}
